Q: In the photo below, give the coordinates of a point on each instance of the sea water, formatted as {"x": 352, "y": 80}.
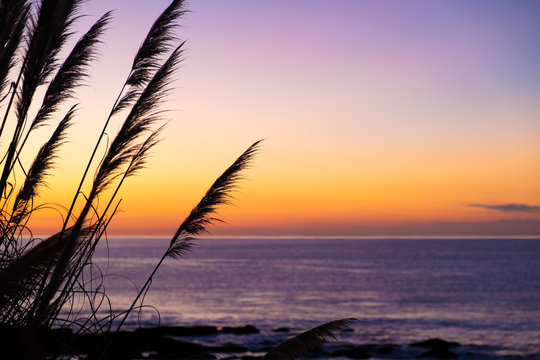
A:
{"x": 483, "y": 293}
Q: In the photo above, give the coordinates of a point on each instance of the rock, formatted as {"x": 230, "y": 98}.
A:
{"x": 436, "y": 344}
{"x": 282, "y": 330}
{"x": 438, "y": 349}
{"x": 240, "y": 330}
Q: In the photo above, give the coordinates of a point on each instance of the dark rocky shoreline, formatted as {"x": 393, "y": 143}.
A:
{"x": 170, "y": 342}
{"x": 211, "y": 342}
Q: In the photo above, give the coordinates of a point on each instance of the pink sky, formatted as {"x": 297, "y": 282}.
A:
{"x": 380, "y": 117}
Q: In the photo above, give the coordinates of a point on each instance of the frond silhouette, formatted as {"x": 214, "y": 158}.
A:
{"x": 41, "y": 166}
{"x": 309, "y": 341}
{"x": 218, "y": 194}
{"x": 72, "y": 72}
{"x": 157, "y": 43}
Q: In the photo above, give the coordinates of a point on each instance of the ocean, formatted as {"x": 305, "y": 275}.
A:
{"x": 481, "y": 293}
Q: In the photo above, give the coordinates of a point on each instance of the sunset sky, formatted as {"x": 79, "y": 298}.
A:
{"x": 379, "y": 117}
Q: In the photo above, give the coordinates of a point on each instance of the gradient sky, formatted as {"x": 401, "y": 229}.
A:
{"x": 380, "y": 117}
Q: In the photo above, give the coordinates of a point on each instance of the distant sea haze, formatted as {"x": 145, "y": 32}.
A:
{"x": 483, "y": 293}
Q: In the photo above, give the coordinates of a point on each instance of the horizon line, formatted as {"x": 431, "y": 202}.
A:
{"x": 338, "y": 237}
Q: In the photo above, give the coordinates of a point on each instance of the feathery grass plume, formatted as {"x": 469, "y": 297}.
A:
{"x": 41, "y": 166}
{"x": 48, "y": 33}
{"x": 138, "y": 161}
{"x": 307, "y": 342}
{"x": 72, "y": 72}
{"x": 156, "y": 44}
{"x": 219, "y": 193}
{"x": 146, "y": 62}
{"x": 9, "y": 13}
{"x": 140, "y": 119}
{"x": 13, "y": 17}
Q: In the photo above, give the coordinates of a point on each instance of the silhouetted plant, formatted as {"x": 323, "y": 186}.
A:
{"x": 308, "y": 341}
{"x": 43, "y": 278}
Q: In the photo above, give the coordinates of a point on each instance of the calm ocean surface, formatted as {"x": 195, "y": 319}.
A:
{"x": 478, "y": 292}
